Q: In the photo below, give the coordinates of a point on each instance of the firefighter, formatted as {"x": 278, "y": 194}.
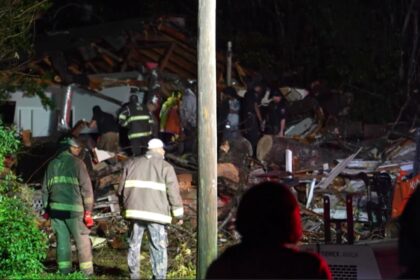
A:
{"x": 136, "y": 118}
{"x": 150, "y": 193}
{"x": 67, "y": 197}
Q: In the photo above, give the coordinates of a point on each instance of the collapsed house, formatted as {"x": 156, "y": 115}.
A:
{"x": 344, "y": 174}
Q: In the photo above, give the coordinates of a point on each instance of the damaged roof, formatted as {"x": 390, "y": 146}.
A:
{"x": 83, "y": 55}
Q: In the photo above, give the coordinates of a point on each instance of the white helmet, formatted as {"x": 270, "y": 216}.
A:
{"x": 155, "y": 143}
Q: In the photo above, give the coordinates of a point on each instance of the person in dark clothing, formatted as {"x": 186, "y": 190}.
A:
{"x": 107, "y": 126}
{"x": 409, "y": 241}
{"x": 268, "y": 220}
{"x": 251, "y": 114}
{"x": 136, "y": 118}
{"x": 230, "y": 113}
{"x": 152, "y": 108}
{"x": 276, "y": 115}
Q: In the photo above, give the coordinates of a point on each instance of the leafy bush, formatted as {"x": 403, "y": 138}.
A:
{"x": 9, "y": 143}
{"x": 182, "y": 266}
{"x": 9, "y": 184}
{"x": 22, "y": 245}
{"x": 51, "y": 276}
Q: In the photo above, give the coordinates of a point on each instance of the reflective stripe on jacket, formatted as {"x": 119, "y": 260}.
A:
{"x": 67, "y": 186}
{"x": 137, "y": 119}
{"x": 150, "y": 191}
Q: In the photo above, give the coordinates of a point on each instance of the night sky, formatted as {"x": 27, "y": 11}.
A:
{"x": 360, "y": 46}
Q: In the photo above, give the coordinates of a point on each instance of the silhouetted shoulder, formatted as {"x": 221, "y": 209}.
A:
{"x": 265, "y": 261}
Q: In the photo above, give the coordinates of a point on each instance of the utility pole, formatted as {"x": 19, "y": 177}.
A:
{"x": 207, "y": 137}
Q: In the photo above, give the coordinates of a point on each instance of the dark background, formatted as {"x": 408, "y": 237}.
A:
{"x": 366, "y": 47}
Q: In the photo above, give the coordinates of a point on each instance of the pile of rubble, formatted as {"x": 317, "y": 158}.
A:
{"x": 356, "y": 189}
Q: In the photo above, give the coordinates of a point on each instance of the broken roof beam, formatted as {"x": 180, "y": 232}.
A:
{"x": 106, "y": 52}
{"x": 102, "y": 66}
{"x": 177, "y": 61}
{"x": 108, "y": 60}
{"x": 91, "y": 66}
{"x": 172, "y": 32}
{"x": 182, "y": 38}
{"x": 163, "y": 62}
{"x": 220, "y": 59}
{"x": 171, "y": 67}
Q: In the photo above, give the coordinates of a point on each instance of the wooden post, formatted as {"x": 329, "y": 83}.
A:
{"x": 229, "y": 64}
{"x": 207, "y": 137}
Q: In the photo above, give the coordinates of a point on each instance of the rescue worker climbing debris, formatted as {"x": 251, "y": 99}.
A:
{"x": 150, "y": 193}
{"x": 137, "y": 119}
{"x": 67, "y": 197}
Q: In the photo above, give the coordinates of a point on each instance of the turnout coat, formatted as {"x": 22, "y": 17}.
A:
{"x": 149, "y": 190}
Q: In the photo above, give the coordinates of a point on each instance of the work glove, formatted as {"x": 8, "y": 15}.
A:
{"x": 87, "y": 219}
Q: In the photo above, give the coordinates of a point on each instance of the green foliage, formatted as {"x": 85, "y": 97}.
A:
{"x": 22, "y": 245}
{"x": 51, "y": 276}
{"x": 9, "y": 143}
{"x": 9, "y": 184}
{"x": 16, "y": 19}
{"x": 182, "y": 265}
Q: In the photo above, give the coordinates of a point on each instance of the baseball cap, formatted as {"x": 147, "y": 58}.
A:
{"x": 155, "y": 143}
{"x": 73, "y": 142}
{"x": 70, "y": 142}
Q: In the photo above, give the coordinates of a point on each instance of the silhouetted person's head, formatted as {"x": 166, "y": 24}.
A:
{"x": 133, "y": 99}
{"x": 96, "y": 110}
{"x": 269, "y": 212}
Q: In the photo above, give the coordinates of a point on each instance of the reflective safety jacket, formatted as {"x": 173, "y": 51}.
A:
{"x": 137, "y": 119}
{"x": 67, "y": 186}
{"x": 149, "y": 189}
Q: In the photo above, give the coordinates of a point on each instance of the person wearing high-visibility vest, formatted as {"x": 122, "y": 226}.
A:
{"x": 67, "y": 197}
{"x": 137, "y": 119}
{"x": 150, "y": 193}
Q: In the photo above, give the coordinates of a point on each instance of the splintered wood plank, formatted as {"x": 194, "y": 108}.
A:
{"x": 171, "y": 67}
{"x": 172, "y": 33}
{"x": 220, "y": 58}
{"x": 89, "y": 65}
{"x": 108, "y": 53}
{"x": 166, "y": 56}
{"x": 74, "y": 69}
{"x": 47, "y": 60}
{"x": 181, "y": 63}
{"x": 104, "y": 67}
{"x": 107, "y": 59}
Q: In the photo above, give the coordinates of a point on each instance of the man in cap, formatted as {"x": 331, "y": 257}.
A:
{"x": 67, "y": 197}
{"x": 137, "y": 119}
{"x": 150, "y": 193}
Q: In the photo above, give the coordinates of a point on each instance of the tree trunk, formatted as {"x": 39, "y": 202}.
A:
{"x": 271, "y": 151}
